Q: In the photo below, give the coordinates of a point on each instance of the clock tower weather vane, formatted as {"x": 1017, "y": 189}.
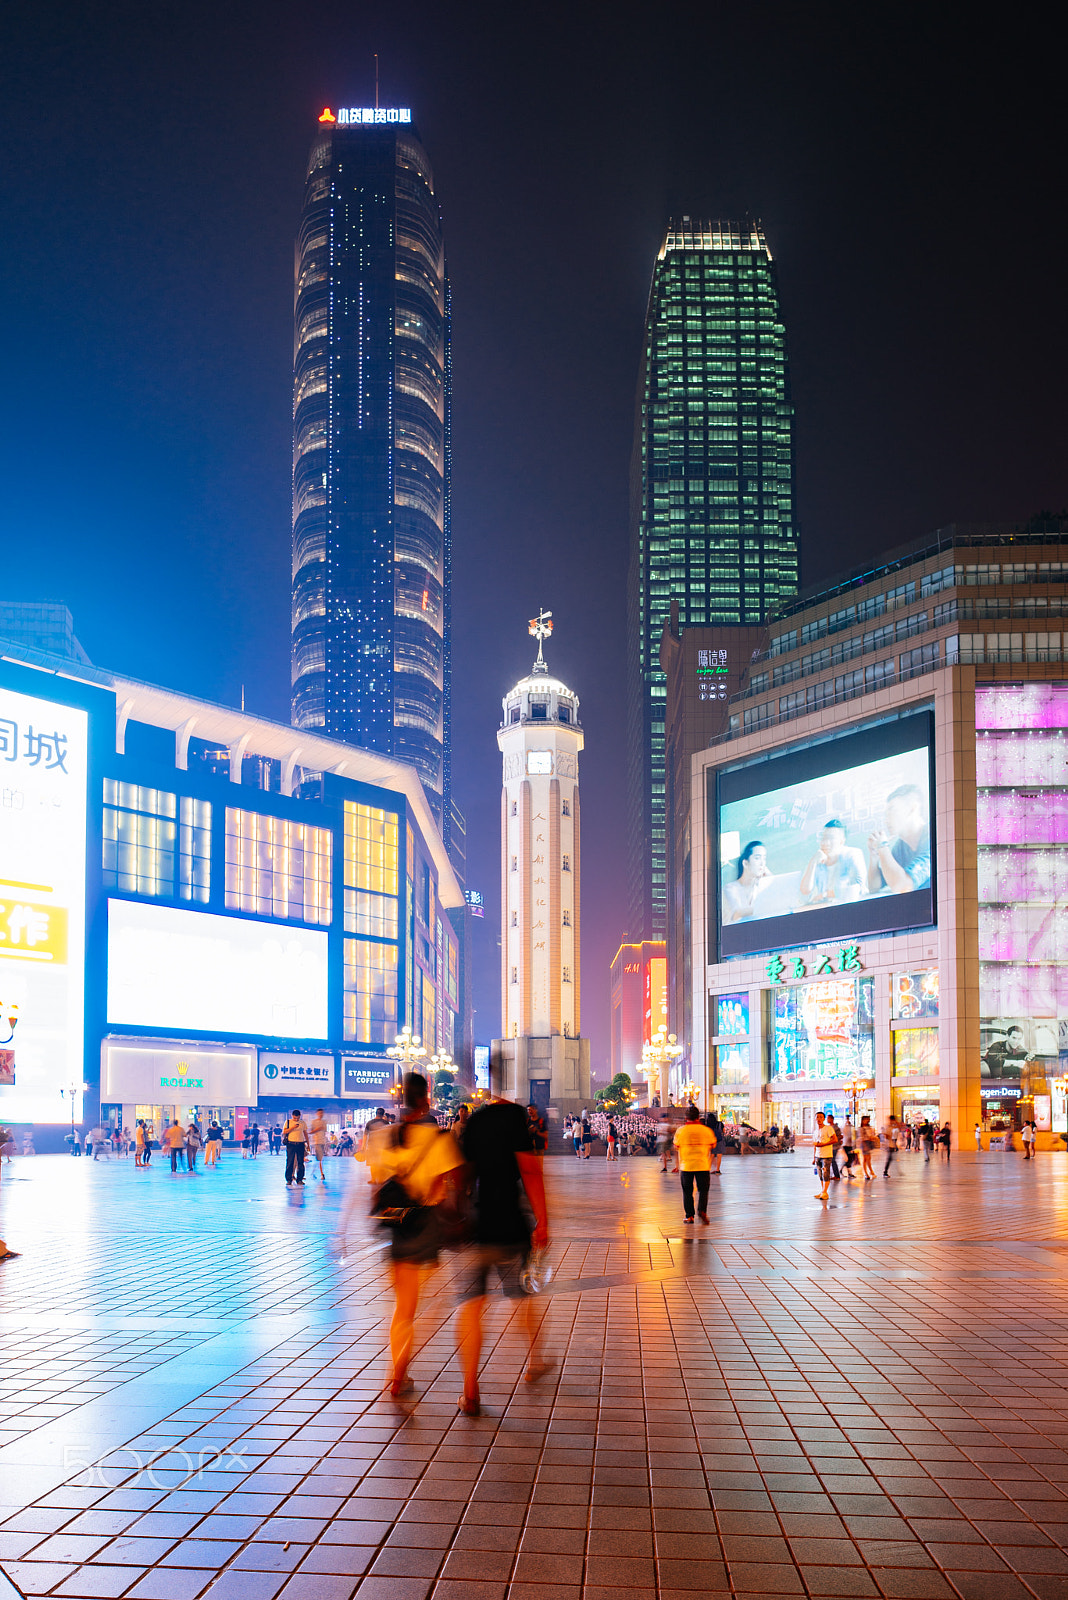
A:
{"x": 540, "y": 628}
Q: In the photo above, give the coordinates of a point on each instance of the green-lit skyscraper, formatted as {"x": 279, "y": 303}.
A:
{"x": 712, "y": 490}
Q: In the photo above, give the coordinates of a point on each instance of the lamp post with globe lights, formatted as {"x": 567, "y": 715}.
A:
{"x": 663, "y": 1048}
{"x": 854, "y": 1088}
{"x": 407, "y": 1049}
{"x": 442, "y": 1064}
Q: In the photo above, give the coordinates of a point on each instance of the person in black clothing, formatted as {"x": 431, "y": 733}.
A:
{"x": 498, "y": 1145}
{"x": 713, "y": 1122}
{"x": 539, "y": 1133}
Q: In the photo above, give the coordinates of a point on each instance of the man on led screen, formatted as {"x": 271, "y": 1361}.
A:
{"x": 836, "y": 873}
{"x": 899, "y": 855}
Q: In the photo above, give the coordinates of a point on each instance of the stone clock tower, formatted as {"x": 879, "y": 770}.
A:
{"x": 541, "y": 1056}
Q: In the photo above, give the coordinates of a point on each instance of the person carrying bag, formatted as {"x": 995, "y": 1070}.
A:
{"x": 416, "y": 1203}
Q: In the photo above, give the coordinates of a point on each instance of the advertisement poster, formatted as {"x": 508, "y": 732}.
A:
{"x": 43, "y": 776}
{"x": 1007, "y": 1044}
{"x": 655, "y": 996}
{"x": 823, "y": 1031}
{"x": 198, "y": 972}
{"x": 833, "y": 840}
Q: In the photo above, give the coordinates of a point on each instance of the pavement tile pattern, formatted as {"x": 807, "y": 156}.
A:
{"x": 859, "y": 1400}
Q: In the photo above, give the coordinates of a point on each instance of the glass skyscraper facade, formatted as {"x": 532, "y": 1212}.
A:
{"x": 712, "y": 492}
{"x": 371, "y": 449}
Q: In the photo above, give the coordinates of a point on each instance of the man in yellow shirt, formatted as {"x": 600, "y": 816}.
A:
{"x": 694, "y": 1143}
{"x": 174, "y": 1139}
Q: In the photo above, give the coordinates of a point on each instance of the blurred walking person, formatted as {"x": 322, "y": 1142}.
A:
{"x": 945, "y": 1139}
{"x": 892, "y": 1135}
{"x": 500, "y": 1151}
{"x": 192, "y": 1145}
{"x": 869, "y": 1141}
{"x": 420, "y": 1156}
{"x": 317, "y": 1132}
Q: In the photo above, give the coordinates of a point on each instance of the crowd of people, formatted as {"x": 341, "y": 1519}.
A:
{"x": 859, "y": 1144}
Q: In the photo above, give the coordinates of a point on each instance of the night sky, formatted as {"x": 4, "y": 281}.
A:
{"x": 909, "y": 172}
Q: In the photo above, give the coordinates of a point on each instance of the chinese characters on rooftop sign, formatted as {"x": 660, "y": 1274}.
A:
{"x": 43, "y": 755}
{"x": 348, "y": 116}
{"x": 711, "y": 674}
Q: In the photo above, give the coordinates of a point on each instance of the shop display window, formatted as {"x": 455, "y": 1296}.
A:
{"x": 915, "y": 995}
{"x": 916, "y": 1053}
{"x": 732, "y": 1065}
{"x": 822, "y": 1031}
{"x": 732, "y": 1016}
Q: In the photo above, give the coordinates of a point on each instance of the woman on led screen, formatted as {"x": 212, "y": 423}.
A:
{"x": 753, "y": 878}
{"x": 836, "y": 873}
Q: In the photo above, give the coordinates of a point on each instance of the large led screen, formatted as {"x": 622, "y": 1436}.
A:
{"x": 200, "y": 973}
{"x": 827, "y": 842}
{"x": 43, "y": 758}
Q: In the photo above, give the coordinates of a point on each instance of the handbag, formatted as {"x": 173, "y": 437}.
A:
{"x": 393, "y": 1205}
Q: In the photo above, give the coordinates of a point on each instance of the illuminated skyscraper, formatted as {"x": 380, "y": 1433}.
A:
{"x": 371, "y": 448}
{"x": 712, "y": 494}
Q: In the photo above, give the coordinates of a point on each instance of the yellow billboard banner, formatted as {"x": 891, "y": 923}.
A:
{"x": 32, "y": 932}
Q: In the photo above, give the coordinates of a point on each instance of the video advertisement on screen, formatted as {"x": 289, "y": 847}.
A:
{"x": 832, "y": 841}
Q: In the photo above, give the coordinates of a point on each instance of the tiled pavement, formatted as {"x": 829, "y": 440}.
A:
{"x": 863, "y": 1399}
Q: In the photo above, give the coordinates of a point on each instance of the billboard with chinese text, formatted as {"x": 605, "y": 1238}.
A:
{"x": 43, "y": 783}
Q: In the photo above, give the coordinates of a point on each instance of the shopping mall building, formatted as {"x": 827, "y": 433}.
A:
{"x": 879, "y": 863}
{"x": 205, "y": 911}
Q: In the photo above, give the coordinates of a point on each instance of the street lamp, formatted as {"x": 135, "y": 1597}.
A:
{"x": 855, "y": 1087}
{"x": 73, "y": 1092}
{"x": 441, "y": 1062}
{"x": 407, "y": 1050}
{"x": 662, "y": 1049}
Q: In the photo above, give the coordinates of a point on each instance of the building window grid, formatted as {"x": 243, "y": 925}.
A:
{"x": 155, "y": 844}
{"x": 276, "y": 867}
{"x": 371, "y": 849}
{"x": 370, "y": 991}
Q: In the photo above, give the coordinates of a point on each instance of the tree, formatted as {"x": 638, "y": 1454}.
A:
{"x": 446, "y": 1092}
{"x": 616, "y": 1097}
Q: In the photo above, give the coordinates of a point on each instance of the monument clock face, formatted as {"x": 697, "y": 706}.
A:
{"x": 539, "y": 763}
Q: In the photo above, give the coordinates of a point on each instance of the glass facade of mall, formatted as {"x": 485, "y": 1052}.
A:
{"x": 371, "y": 453}
{"x": 712, "y": 495}
{"x": 880, "y": 882}
{"x": 252, "y": 933}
